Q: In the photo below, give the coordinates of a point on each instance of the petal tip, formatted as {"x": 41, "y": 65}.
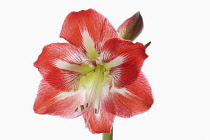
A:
{"x": 39, "y": 110}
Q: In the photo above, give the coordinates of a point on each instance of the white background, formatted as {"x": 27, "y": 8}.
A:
{"x": 177, "y": 68}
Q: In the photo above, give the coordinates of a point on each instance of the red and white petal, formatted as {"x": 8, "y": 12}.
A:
{"x": 58, "y": 63}
{"x": 124, "y": 59}
{"x": 100, "y": 122}
{"x": 87, "y": 29}
{"x": 55, "y": 102}
{"x": 132, "y": 100}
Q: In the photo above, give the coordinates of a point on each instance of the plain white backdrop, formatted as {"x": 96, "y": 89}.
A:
{"x": 177, "y": 68}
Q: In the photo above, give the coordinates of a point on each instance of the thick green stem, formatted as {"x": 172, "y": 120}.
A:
{"x": 108, "y": 136}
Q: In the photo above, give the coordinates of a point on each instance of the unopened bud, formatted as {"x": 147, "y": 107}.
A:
{"x": 131, "y": 28}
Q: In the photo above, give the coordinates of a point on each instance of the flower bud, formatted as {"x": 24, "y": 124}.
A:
{"x": 131, "y": 28}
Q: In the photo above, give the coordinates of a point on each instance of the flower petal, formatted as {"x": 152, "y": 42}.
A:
{"x": 54, "y": 102}
{"x": 124, "y": 59}
{"x": 58, "y": 63}
{"x": 100, "y": 122}
{"x": 132, "y": 100}
{"x": 87, "y": 28}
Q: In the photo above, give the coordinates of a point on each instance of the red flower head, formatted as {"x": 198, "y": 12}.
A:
{"x": 96, "y": 74}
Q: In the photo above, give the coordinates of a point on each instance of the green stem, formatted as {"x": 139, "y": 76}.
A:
{"x": 108, "y": 136}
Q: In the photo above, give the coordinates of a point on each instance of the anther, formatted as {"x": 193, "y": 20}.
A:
{"x": 96, "y": 112}
{"x": 86, "y": 105}
{"x": 82, "y": 107}
{"x": 76, "y": 109}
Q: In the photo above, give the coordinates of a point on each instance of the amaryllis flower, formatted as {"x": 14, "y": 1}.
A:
{"x": 95, "y": 74}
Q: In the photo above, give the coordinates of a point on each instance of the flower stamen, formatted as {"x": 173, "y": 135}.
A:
{"x": 86, "y": 105}
{"x": 96, "y": 111}
{"x": 82, "y": 107}
{"x": 76, "y": 109}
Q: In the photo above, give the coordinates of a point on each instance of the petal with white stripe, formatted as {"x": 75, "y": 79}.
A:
{"x": 100, "y": 122}
{"x": 124, "y": 59}
{"x": 132, "y": 100}
{"x": 60, "y": 63}
{"x": 51, "y": 101}
{"x": 87, "y": 27}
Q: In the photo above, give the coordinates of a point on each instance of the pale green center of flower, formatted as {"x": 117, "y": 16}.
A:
{"x": 95, "y": 84}
{"x": 93, "y": 81}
